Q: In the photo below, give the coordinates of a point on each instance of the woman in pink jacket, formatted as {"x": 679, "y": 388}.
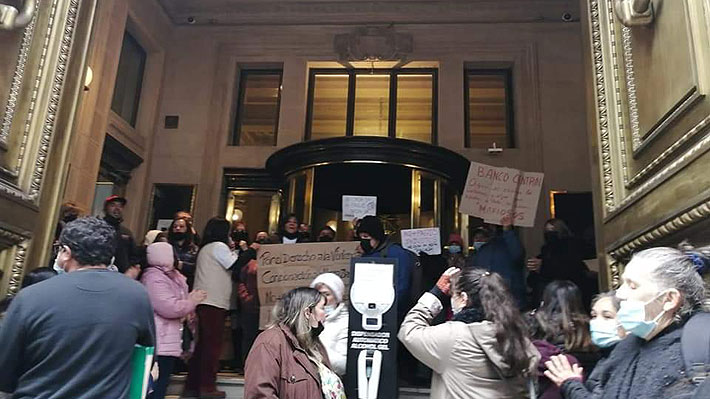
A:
{"x": 167, "y": 289}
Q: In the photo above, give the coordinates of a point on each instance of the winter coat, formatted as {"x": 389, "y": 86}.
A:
{"x": 187, "y": 254}
{"x": 167, "y": 289}
{"x": 335, "y": 338}
{"x": 277, "y": 367}
{"x": 464, "y": 357}
{"x": 504, "y": 254}
{"x": 126, "y": 253}
{"x": 638, "y": 368}
{"x": 546, "y": 388}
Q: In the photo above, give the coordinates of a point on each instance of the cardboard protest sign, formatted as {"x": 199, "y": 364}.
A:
{"x": 358, "y": 207}
{"x": 422, "y": 240}
{"x": 283, "y": 267}
{"x": 493, "y": 192}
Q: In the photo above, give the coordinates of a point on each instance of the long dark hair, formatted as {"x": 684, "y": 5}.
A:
{"x": 562, "y": 317}
{"x": 189, "y": 236}
{"x": 216, "y": 230}
{"x": 489, "y": 292}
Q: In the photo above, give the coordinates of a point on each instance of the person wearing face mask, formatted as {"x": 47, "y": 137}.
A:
{"x": 73, "y": 335}
{"x": 561, "y": 258}
{"x": 501, "y": 253}
{"x": 484, "y": 352}
{"x": 288, "y": 231}
{"x": 288, "y": 360}
{"x": 375, "y": 244}
{"x": 606, "y": 332}
{"x": 663, "y": 309}
{"x": 335, "y": 334}
{"x": 326, "y": 234}
{"x": 182, "y": 238}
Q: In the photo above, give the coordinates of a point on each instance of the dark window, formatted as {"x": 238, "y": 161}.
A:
{"x": 382, "y": 102}
{"x": 257, "y": 118}
{"x": 129, "y": 80}
{"x": 489, "y": 108}
{"x": 169, "y": 199}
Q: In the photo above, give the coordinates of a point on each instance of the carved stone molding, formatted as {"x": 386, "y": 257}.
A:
{"x": 17, "y": 269}
{"x": 631, "y": 88}
{"x": 674, "y": 225}
{"x": 17, "y": 78}
{"x": 52, "y": 108}
{"x": 10, "y": 237}
{"x": 602, "y": 109}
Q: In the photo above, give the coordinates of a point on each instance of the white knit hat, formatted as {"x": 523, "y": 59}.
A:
{"x": 333, "y": 282}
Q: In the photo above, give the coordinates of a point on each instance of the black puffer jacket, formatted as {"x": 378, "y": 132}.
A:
{"x": 638, "y": 368}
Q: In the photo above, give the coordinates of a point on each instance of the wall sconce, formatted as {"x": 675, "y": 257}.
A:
{"x": 237, "y": 215}
{"x": 88, "y": 78}
{"x": 12, "y": 18}
{"x": 634, "y": 12}
{"x": 333, "y": 225}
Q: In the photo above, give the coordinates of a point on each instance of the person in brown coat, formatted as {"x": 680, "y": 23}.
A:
{"x": 287, "y": 360}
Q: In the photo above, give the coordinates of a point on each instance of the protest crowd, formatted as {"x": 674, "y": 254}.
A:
{"x": 480, "y": 322}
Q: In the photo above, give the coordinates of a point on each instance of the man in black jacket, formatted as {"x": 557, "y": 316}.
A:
{"x": 126, "y": 257}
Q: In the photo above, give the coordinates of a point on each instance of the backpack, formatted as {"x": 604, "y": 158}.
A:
{"x": 695, "y": 347}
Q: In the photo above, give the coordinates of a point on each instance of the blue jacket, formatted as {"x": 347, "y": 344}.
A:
{"x": 504, "y": 254}
{"x": 405, "y": 265}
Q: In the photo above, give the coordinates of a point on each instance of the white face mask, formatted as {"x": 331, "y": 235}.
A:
{"x": 56, "y": 266}
{"x": 454, "y": 306}
{"x": 329, "y": 309}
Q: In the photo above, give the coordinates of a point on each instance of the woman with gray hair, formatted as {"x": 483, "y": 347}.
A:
{"x": 287, "y": 360}
{"x": 663, "y": 305}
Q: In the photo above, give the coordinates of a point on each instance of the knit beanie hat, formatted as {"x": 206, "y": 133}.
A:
{"x": 372, "y": 226}
{"x": 161, "y": 254}
{"x": 333, "y": 282}
{"x": 150, "y": 237}
{"x": 456, "y": 238}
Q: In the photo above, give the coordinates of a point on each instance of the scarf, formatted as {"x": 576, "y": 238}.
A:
{"x": 470, "y": 315}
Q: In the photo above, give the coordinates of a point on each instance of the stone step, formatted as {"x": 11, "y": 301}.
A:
{"x": 233, "y": 385}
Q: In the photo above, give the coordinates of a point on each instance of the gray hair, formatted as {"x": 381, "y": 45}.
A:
{"x": 289, "y": 312}
{"x": 675, "y": 269}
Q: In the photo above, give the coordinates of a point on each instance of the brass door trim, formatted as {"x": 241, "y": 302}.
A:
{"x": 18, "y": 77}
{"x": 611, "y": 124}
{"x": 619, "y": 252}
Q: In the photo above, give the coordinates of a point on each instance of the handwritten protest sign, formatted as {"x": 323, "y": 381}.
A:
{"x": 358, "y": 207}
{"x": 284, "y": 267}
{"x": 492, "y": 193}
{"x": 422, "y": 240}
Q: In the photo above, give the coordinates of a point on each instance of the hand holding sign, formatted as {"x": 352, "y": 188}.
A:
{"x": 357, "y": 207}
{"x": 422, "y": 240}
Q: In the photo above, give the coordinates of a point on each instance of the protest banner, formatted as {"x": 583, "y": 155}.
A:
{"x": 494, "y": 192}
{"x": 355, "y": 206}
{"x": 283, "y": 267}
{"x": 422, "y": 240}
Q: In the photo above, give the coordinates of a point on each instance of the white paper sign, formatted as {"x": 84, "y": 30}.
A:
{"x": 422, "y": 240}
{"x": 491, "y": 193}
{"x": 355, "y": 206}
{"x": 164, "y": 224}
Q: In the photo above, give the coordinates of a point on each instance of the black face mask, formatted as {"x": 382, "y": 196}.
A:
{"x": 262, "y": 241}
{"x": 112, "y": 220}
{"x": 552, "y": 236}
{"x": 178, "y": 236}
{"x": 240, "y": 236}
{"x": 366, "y": 245}
{"x": 315, "y": 331}
{"x": 325, "y": 238}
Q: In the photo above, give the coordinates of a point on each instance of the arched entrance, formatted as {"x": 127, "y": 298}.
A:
{"x": 417, "y": 184}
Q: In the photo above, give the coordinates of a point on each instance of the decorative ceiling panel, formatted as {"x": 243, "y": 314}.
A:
{"x": 318, "y": 12}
